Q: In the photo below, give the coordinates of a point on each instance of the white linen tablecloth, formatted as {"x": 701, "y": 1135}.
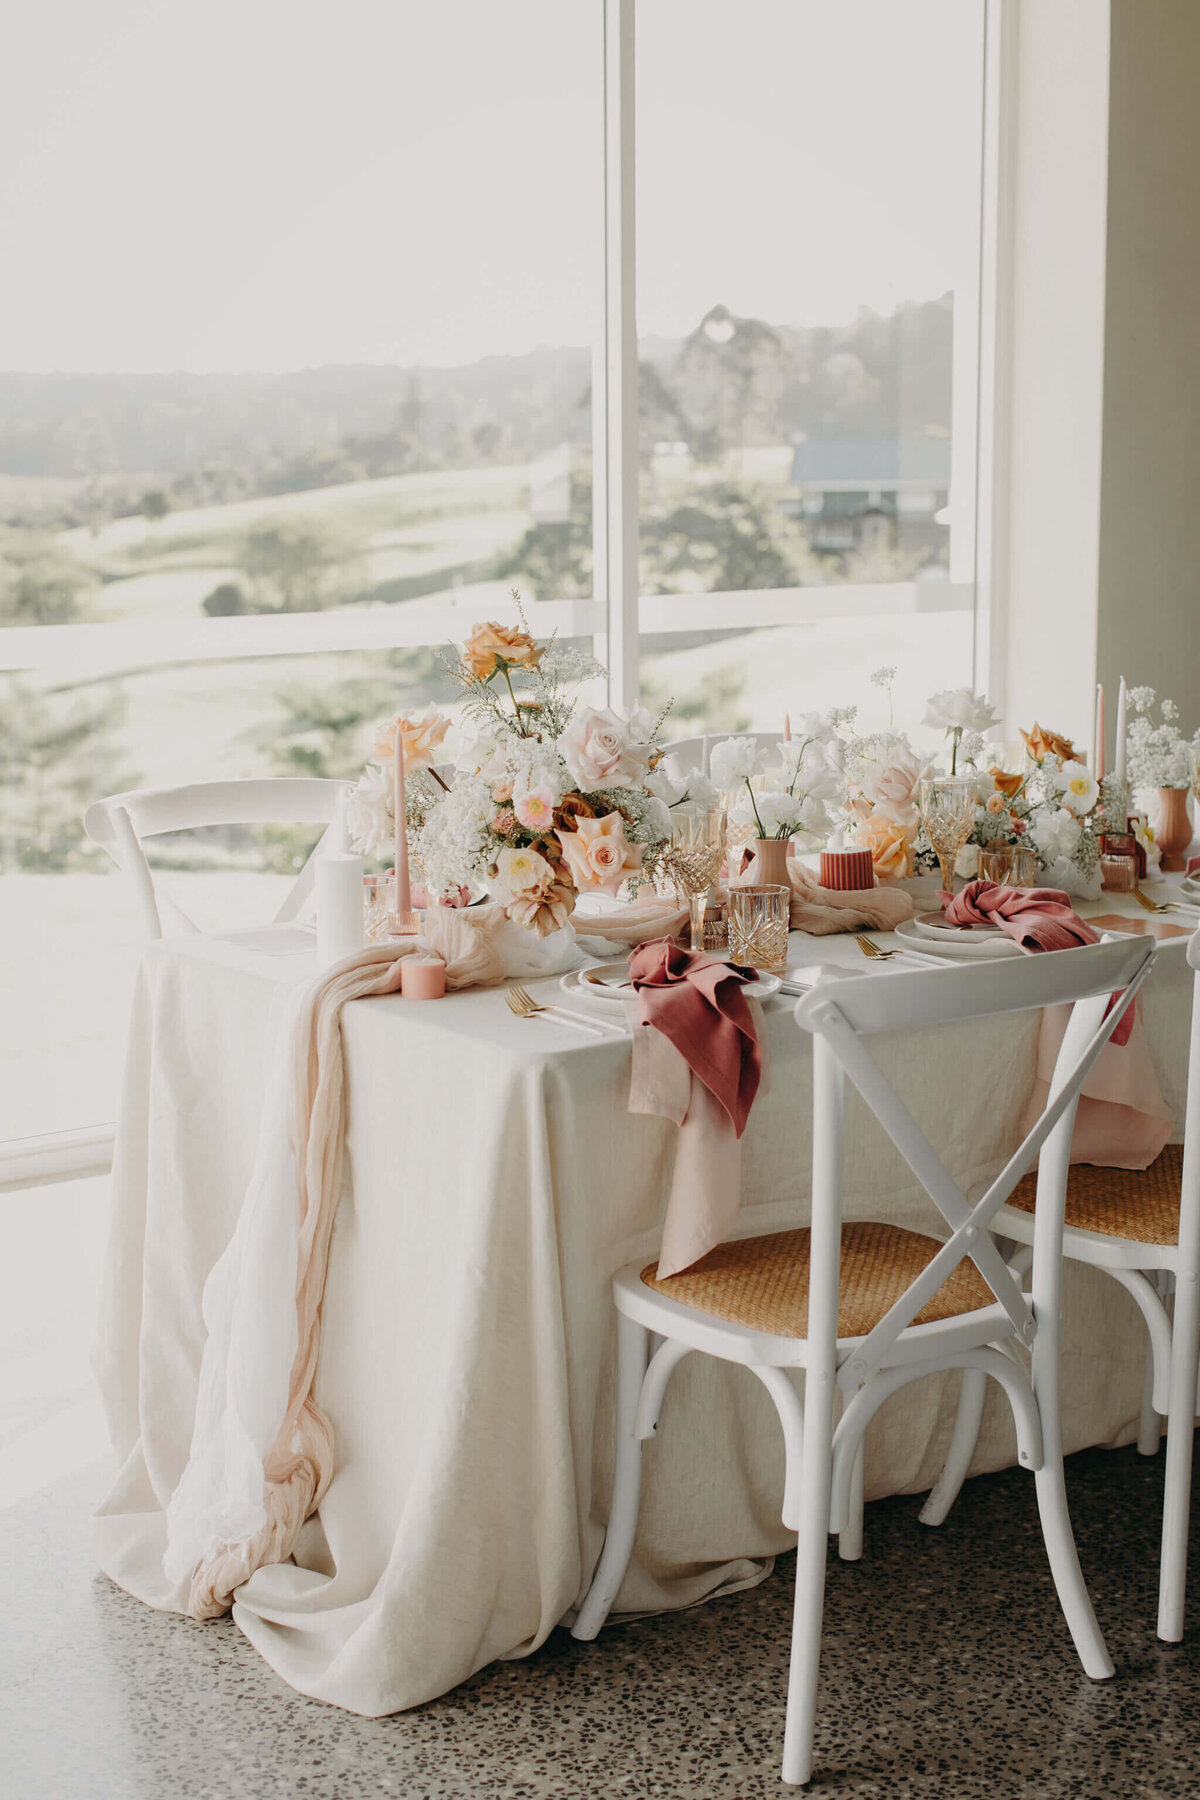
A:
{"x": 495, "y": 1183}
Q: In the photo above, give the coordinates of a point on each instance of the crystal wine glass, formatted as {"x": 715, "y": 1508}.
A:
{"x": 693, "y": 858}
{"x": 948, "y": 812}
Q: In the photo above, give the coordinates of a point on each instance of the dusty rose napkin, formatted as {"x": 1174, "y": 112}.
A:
{"x": 1122, "y": 1120}
{"x": 694, "y": 1022}
{"x": 698, "y": 1003}
{"x": 820, "y": 911}
{"x": 1193, "y": 866}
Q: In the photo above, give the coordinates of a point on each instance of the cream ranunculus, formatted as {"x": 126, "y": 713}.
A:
{"x": 599, "y": 855}
{"x": 421, "y": 734}
{"x": 600, "y": 751}
{"x": 489, "y": 641}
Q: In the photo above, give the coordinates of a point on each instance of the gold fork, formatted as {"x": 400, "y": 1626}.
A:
{"x": 1160, "y": 906}
{"x": 522, "y": 1003}
{"x": 872, "y": 950}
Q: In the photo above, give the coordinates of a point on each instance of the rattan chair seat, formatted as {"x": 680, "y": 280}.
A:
{"x": 1139, "y": 1205}
{"x": 762, "y": 1282}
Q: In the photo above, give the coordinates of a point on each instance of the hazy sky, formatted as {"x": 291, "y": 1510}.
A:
{"x": 272, "y": 184}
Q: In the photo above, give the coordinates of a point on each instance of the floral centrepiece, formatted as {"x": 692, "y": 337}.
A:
{"x": 546, "y": 800}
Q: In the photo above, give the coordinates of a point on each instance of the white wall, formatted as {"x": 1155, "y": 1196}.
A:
{"x": 1149, "y": 610}
{"x": 1051, "y": 346}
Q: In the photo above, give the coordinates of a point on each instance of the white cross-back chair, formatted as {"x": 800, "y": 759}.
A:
{"x": 865, "y": 1308}
{"x": 1142, "y": 1227}
{"x": 120, "y": 823}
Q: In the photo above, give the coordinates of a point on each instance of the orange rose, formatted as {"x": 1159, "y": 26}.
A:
{"x": 489, "y": 641}
{"x": 420, "y": 737}
{"x": 890, "y": 844}
{"x": 1041, "y": 743}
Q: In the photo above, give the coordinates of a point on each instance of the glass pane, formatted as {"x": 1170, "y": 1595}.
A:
{"x": 808, "y": 333}
{"x": 302, "y": 342}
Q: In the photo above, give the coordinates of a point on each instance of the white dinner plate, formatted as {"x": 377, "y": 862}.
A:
{"x": 1190, "y": 888}
{"x": 934, "y": 925}
{"x": 950, "y": 944}
{"x": 602, "y": 986}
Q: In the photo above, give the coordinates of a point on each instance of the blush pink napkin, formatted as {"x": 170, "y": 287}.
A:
{"x": 698, "y": 1060}
{"x": 699, "y": 1004}
{"x": 1035, "y": 918}
{"x": 1122, "y": 1121}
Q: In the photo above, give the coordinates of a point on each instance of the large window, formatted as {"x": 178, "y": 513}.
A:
{"x": 304, "y": 323}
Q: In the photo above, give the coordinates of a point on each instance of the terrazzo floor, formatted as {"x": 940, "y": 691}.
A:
{"x": 947, "y": 1673}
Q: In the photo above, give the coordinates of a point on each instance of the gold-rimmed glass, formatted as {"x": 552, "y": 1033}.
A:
{"x": 692, "y": 860}
{"x": 1009, "y": 865}
{"x": 948, "y": 805}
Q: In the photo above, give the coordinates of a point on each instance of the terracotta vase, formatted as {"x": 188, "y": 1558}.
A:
{"x": 769, "y": 868}
{"x": 1172, "y": 827}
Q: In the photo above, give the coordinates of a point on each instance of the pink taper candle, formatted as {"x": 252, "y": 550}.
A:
{"x": 403, "y": 886}
{"x": 787, "y": 728}
{"x": 1099, "y": 760}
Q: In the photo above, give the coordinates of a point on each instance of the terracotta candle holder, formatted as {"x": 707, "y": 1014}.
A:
{"x": 847, "y": 871}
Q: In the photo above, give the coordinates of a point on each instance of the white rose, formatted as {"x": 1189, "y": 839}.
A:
{"x": 958, "y": 709}
{"x": 368, "y": 818}
{"x": 736, "y": 760}
{"x": 968, "y": 862}
{"x": 600, "y": 752}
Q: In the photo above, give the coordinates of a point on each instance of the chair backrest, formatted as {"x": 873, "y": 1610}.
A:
{"x": 1099, "y": 981}
{"x": 120, "y": 823}
{"x": 694, "y": 752}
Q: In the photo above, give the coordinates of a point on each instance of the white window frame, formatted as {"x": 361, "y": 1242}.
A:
{"x": 617, "y": 614}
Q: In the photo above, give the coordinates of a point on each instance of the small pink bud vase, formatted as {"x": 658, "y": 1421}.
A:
{"x": 770, "y": 865}
{"x": 1172, "y": 828}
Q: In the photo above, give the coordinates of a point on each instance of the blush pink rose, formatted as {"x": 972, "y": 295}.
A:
{"x": 598, "y": 854}
{"x": 599, "y": 750}
{"x": 892, "y": 785}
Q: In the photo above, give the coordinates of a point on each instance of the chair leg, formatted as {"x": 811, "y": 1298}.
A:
{"x": 633, "y": 1343}
{"x": 850, "y": 1538}
{"x": 963, "y": 1440}
{"x": 1181, "y": 1421}
{"x": 811, "y": 1548}
{"x": 1057, "y": 1534}
{"x": 1149, "y": 1423}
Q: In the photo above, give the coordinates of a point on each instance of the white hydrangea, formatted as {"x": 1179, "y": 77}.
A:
{"x": 1055, "y": 835}
{"x": 455, "y": 844}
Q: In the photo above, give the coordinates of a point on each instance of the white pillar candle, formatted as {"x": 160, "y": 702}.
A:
{"x": 704, "y": 755}
{"x": 339, "y": 889}
{"x": 1119, "y": 765}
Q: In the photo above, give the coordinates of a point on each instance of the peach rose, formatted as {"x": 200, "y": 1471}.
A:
{"x": 892, "y": 785}
{"x": 420, "y": 737}
{"x": 890, "y": 842}
{"x": 599, "y": 855}
{"x": 1006, "y": 783}
{"x": 489, "y": 641}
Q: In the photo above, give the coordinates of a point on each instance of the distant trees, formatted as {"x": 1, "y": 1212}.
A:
{"x": 41, "y": 581}
{"x": 155, "y": 504}
{"x": 298, "y": 565}
{"x": 58, "y": 751}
